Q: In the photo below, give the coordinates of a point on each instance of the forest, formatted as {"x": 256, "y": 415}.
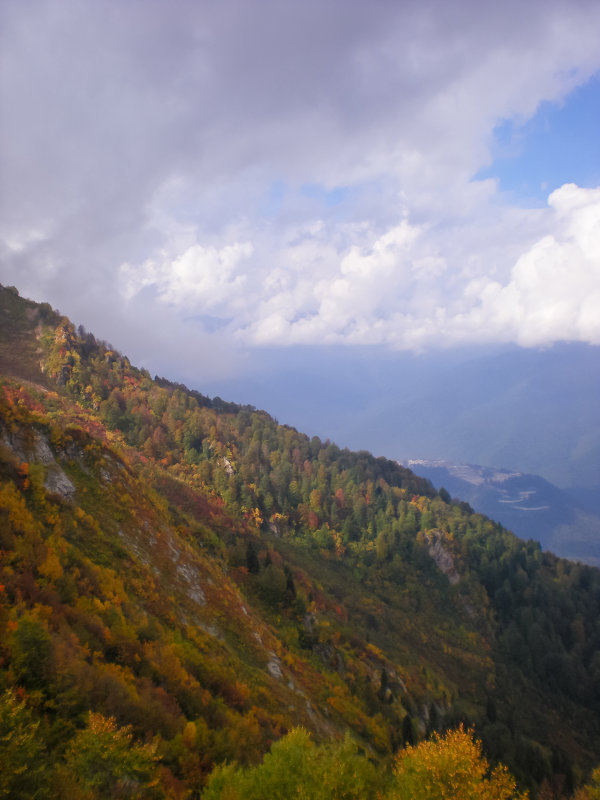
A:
{"x": 196, "y": 601}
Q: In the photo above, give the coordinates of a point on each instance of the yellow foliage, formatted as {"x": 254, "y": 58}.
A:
{"x": 450, "y": 767}
{"x": 591, "y": 791}
{"x": 375, "y": 651}
{"x": 51, "y": 568}
{"x": 256, "y": 517}
{"x": 190, "y": 734}
{"x": 19, "y": 517}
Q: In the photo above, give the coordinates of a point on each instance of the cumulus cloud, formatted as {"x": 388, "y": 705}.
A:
{"x": 405, "y": 288}
{"x": 554, "y": 288}
{"x": 300, "y": 172}
{"x": 202, "y": 278}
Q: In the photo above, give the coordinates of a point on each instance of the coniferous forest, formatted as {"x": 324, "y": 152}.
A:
{"x": 196, "y": 601}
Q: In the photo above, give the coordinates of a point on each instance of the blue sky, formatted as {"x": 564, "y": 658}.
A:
{"x": 559, "y": 144}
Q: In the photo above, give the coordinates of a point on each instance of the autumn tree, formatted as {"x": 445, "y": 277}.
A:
{"x": 23, "y": 766}
{"x": 297, "y": 767}
{"x": 591, "y": 790}
{"x": 31, "y": 648}
{"x": 450, "y": 767}
{"x": 105, "y": 763}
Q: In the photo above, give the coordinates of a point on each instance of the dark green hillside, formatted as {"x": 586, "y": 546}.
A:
{"x": 212, "y": 579}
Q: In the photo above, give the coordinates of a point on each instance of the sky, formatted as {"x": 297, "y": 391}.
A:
{"x": 202, "y": 183}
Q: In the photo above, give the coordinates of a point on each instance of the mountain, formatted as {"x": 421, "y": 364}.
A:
{"x": 526, "y": 504}
{"x": 183, "y": 581}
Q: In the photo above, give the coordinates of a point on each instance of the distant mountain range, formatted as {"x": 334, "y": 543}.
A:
{"x": 564, "y": 522}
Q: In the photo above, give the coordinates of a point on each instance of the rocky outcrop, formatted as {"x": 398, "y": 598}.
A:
{"x": 35, "y": 448}
{"x": 57, "y": 482}
{"x": 439, "y": 551}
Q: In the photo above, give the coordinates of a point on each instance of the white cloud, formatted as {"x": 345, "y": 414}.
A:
{"x": 404, "y": 288}
{"x": 144, "y": 140}
{"x": 205, "y": 279}
{"x": 554, "y": 290}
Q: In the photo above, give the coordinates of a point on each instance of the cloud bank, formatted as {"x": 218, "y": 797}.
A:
{"x": 406, "y": 288}
{"x": 285, "y": 173}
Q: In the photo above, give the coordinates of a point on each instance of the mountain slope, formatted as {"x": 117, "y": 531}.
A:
{"x": 214, "y": 579}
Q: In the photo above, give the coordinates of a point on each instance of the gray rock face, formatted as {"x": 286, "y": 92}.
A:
{"x": 42, "y": 451}
{"x": 59, "y": 483}
{"x": 38, "y": 450}
{"x": 442, "y": 556}
{"x": 274, "y": 667}
{"x": 191, "y": 576}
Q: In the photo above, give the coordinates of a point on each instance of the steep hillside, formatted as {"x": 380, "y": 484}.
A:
{"x": 213, "y": 579}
